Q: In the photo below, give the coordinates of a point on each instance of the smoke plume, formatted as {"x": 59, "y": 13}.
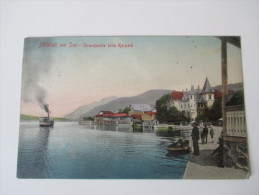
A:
{"x": 46, "y": 107}
{"x": 36, "y": 66}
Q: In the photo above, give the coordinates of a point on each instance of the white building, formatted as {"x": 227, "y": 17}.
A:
{"x": 191, "y": 102}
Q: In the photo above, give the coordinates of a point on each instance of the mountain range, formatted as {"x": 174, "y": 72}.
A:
{"x": 86, "y": 108}
{"x": 233, "y": 86}
{"x": 114, "y": 104}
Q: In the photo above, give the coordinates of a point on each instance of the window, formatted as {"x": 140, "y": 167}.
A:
{"x": 209, "y": 96}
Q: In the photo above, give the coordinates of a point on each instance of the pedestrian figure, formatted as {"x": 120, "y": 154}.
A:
{"x": 211, "y": 133}
{"x": 202, "y": 138}
{"x": 195, "y": 138}
{"x": 205, "y": 134}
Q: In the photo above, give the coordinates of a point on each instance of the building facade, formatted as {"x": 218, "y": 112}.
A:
{"x": 191, "y": 103}
{"x": 143, "y": 114}
{"x": 110, "y": 118}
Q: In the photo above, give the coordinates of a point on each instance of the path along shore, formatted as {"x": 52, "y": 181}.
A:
{"x": 205, "y": 166}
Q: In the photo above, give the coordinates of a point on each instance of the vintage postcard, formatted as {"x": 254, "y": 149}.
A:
{"x": 133, "y": 107}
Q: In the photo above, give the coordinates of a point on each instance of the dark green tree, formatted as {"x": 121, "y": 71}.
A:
{"x": 204, "y": 115}
{"x": 125, "y": 110}
{"x": 237, "y": 99}
{"x": 215, "y": 112}
{"x": 164, "y": 113}
{"x": 161, "y": 107}
{"x": 212, "y": 113}
{"x": 88, "y": 118}
{"x": 173, "y": 112}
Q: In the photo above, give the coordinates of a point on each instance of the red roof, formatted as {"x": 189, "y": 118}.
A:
{"x": 112, "y": 115}
{"x": 150, "y": 112}
{"x": 108, "y": 115}
{"x": 231, "y": 91}
{"x": 177, "y": 95}
{"x": 120, "y": 114}
{"x": 217, "y": 94}
{"x": 106, "y": 112}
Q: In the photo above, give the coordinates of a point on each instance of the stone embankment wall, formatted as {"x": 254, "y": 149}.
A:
{"x": 235, "y": 155}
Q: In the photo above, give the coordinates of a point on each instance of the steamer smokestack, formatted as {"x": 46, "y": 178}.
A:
{"x": 46, "y": 107}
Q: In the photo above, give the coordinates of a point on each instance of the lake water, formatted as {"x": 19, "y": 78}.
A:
{"x": 73, "y": 151}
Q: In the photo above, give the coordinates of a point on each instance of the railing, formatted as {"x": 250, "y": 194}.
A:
{"x": 236, "y": 121}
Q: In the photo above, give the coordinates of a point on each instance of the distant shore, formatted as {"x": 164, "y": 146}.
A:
{"x": 24, "y": 117}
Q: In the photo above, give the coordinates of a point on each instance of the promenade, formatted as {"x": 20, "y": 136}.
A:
{"x": 205, "y": 166}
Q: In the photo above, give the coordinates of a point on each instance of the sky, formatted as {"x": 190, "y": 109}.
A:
{"x": 67, "y": 77}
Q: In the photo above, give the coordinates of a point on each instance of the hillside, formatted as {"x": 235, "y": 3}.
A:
{"x": 84, "y": 109}
{"x": 235, "y": 86}
{"x": 114, "y": 104}
{"x": 148, "y": 97}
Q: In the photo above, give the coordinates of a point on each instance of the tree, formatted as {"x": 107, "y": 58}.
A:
{"x": 125, "y": 110}
{"x": 237, "y": 99}
{"x": 164, "y": 113}
{"x": 88, "y": 118}
{"x": 173, "y": 112}
{"x": 212, "y": 113}
{"x": 161, "y": 107}
{"x": 215, "y": 111}
{"x": 204, "y": 115}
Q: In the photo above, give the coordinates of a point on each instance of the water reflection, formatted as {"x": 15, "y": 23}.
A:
{"x": 37, "y": 162}
{"x": 71, "y": 151}
{"x": 121, "y": 128}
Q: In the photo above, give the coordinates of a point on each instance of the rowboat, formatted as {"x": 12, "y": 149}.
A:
{"x": 181, "y": 146}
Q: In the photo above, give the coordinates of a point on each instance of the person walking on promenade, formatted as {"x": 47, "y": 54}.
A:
{"x": 195, "y": 138}
{"x": 202, "y": 138}
{"x": 211, "y": 133}
{"x": 205, "y": 132}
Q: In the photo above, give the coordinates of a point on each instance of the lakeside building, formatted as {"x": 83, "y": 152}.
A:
{"x": 143, "y": 114}
{"x": 190, "y": 103}
{"x": 107, "y": 117}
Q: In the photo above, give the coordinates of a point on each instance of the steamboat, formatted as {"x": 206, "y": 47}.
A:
{"x": 46, "y": 121}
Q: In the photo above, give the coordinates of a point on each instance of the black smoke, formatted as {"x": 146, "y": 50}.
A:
{"x": 36, "y": 66}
